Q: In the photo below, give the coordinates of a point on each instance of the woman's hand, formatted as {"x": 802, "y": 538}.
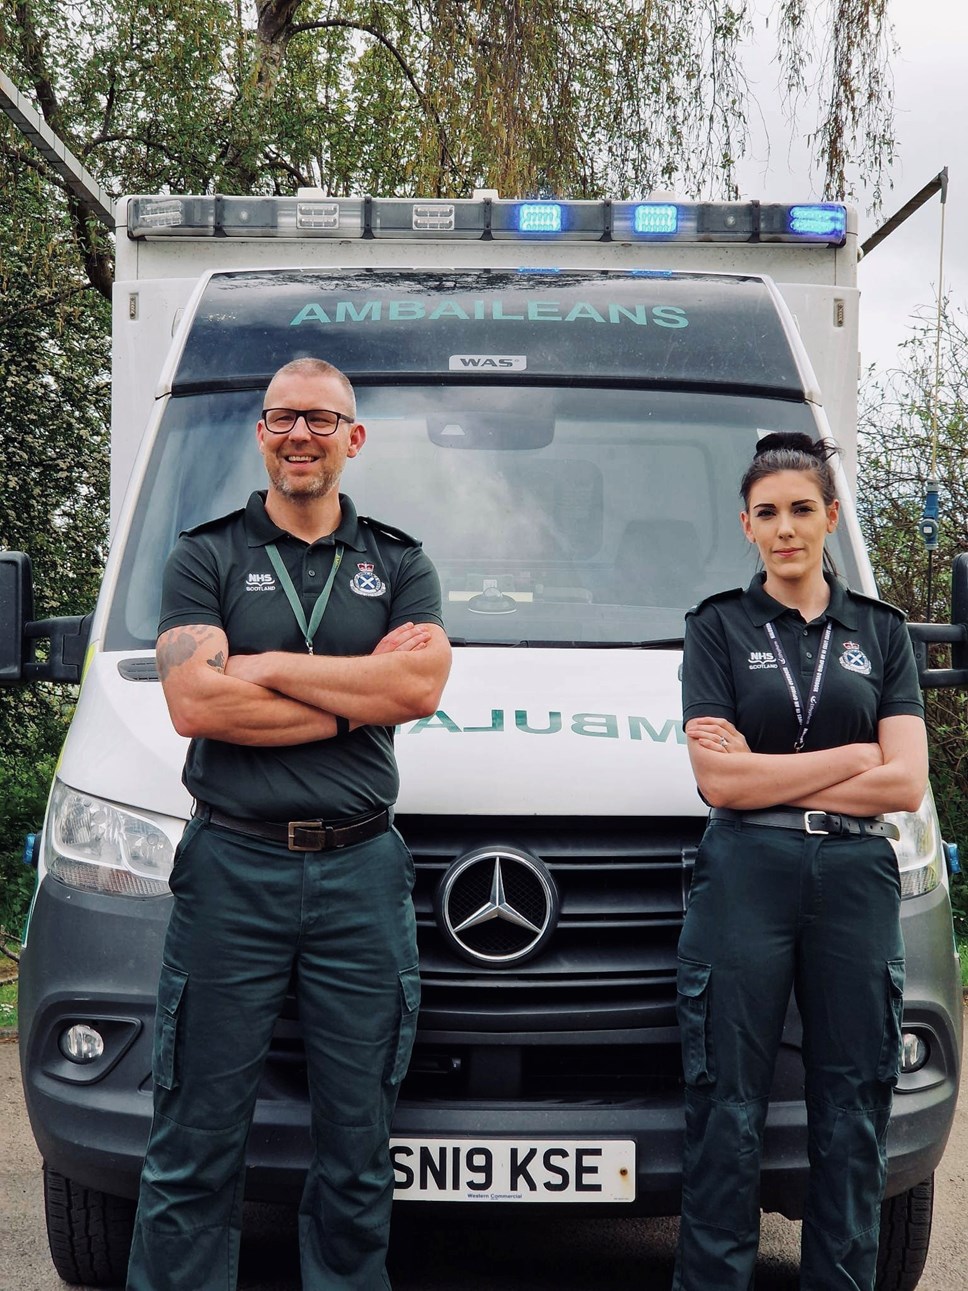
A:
{"x": 754, "y": 780}
{"x": 717, "y": 734}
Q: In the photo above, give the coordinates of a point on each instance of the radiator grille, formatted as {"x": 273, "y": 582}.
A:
{"x": 591, "y": 1016}
{"x": 611, "y": 959}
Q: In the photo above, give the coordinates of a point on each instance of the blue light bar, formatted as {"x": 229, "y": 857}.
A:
{"x": 655, "y": 217}
{"x": 539, "y": 217}
{"x": 818, "y": 221}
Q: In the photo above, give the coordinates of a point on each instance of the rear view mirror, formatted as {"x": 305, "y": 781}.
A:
{"x": 485, "y": 426}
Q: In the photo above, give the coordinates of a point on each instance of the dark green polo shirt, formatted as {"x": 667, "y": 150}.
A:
{"x": 730, "y": 670}
{"x": 220, "y": 574}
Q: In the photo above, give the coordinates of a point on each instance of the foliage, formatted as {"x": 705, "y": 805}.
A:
{"x": 580, "y": 97}
{"x": 897, "y": 457}
{"x": 53, "y": 399}
{"x": 23, "y": 793}
{"x": 8, "y": 1006}
{"x": 54, "y": 395}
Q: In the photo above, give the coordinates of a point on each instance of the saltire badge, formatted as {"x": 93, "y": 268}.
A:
{"x": 367, "y": 582}
{"x": 854, "y": 659}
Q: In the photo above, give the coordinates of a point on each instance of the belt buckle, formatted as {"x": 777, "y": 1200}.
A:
{"x": 806, "y": 822}
{"x": 316, "y": 825}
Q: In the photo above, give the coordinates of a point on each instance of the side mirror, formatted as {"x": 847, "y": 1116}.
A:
{"x": 925, "y": 634}
{"x": 68, "y": 636}
{"x": 959, "y": 610}
{"x": 16, "y": 610}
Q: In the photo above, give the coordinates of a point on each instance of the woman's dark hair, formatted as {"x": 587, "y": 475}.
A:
{"x": 792, "y": 451}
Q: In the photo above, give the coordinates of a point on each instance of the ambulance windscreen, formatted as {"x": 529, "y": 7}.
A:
{"x": 554, "y": 514}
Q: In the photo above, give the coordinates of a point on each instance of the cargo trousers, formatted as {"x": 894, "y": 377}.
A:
{"x": 772, "y": 910}
{"x": 246, "y": 914}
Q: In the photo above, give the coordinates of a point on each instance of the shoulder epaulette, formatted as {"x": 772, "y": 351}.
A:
{"x": 212, "y": 524}
{"x": 389, "y": 531}
{"x": 873, "y": 600}
{"x": 729, "y": 595}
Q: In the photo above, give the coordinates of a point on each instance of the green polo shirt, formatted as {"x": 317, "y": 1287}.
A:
{"x": 220, "y": 573}
{"x": 730, "y": 669}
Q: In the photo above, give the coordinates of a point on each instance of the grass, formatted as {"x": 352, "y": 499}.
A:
{"x": 963, "y": 956}
{"x": 8, "y": 1005}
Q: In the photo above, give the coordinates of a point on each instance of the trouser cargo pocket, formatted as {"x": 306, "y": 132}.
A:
{"x": 890, "y": 1061}
{"x": 692, "y": 1007}
{"x": 409, "y": 1004}
{"x": 171, "y": 989}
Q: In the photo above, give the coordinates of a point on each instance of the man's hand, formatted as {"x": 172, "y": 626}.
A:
{"x": 408, "y": 636}
{"x": 405, "y": 638}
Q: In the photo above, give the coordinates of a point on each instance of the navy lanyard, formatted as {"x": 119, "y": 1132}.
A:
{"x": 791, "y": 681}
{"x": 322, "y": 600}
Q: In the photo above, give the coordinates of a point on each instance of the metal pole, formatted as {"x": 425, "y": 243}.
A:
{"x": 60, "y": 158}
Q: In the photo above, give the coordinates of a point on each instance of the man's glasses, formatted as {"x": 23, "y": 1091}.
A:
{"x": 319, "y": 421}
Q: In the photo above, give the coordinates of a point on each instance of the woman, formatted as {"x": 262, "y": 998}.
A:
{"x": 805, "y": 722}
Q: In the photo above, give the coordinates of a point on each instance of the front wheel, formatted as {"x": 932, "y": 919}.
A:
{"x": 89, "y": 1232}
{"x": 905, "y": 1236}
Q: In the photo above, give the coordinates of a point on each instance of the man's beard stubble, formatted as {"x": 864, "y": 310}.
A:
{"x": 308, "y": 490}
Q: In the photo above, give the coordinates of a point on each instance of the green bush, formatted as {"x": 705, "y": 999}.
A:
{"x": 24, "y": 786}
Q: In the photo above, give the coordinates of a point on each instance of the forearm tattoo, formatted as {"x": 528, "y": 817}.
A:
{"x": 179, "y": 645}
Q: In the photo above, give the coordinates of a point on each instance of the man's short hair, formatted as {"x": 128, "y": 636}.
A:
{"x": 310, "y": 367}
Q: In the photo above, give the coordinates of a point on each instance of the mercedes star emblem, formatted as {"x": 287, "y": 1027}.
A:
{"x": 497, "y": 906}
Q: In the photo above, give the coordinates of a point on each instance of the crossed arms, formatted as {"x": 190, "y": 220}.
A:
{"x": 856, "y": 779}
{"x": 281, "y": 698}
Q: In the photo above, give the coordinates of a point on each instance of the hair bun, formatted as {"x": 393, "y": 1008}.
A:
{"x": 791, "y": 440}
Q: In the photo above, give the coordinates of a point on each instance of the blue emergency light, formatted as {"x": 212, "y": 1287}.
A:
{"x": 821, "y": 221}
{"x": 539, "y": 217}
{"x": 652, "y": 218}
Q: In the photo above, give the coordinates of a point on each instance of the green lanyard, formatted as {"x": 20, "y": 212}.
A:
{"x": 322, "y": 600}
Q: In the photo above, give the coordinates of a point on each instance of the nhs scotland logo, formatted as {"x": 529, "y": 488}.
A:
{"x": 761, "y": 659}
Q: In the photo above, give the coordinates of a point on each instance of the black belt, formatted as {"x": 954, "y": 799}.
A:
{"x": 810, "y": 822}
{"x": 304, "y": 835}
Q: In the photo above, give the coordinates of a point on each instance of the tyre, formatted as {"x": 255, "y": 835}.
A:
{"x": 905, "y": 1236}
{"x": 89, "y": 1232}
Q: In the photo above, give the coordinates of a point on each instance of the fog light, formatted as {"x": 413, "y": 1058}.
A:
{"x": 914, "y": 1052}
{"x": 81, "y": 1043}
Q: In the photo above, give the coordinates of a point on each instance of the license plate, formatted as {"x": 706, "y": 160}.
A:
{"x": 514, "y": 1170}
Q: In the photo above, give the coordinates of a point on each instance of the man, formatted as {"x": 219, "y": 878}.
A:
{"x": 294, "y": 635}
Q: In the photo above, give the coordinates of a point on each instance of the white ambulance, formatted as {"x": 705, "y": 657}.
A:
{"x": 560, "y": 399}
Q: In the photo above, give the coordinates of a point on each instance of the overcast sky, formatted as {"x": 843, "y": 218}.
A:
{"x": 931, "y": 125}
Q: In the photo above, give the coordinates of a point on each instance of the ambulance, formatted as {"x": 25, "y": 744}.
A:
{"x": 560, "y": 400}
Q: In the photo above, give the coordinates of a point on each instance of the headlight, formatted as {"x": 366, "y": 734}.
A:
{"x": 919, "y": 856}
{"x": 92, "y": 844}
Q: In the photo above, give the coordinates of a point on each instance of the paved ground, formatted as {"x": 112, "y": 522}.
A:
{"x": 472, "y": 1254}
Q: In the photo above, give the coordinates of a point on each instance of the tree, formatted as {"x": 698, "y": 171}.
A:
{"x": 897, "y": 451}
{"x": 584, "y": 98}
